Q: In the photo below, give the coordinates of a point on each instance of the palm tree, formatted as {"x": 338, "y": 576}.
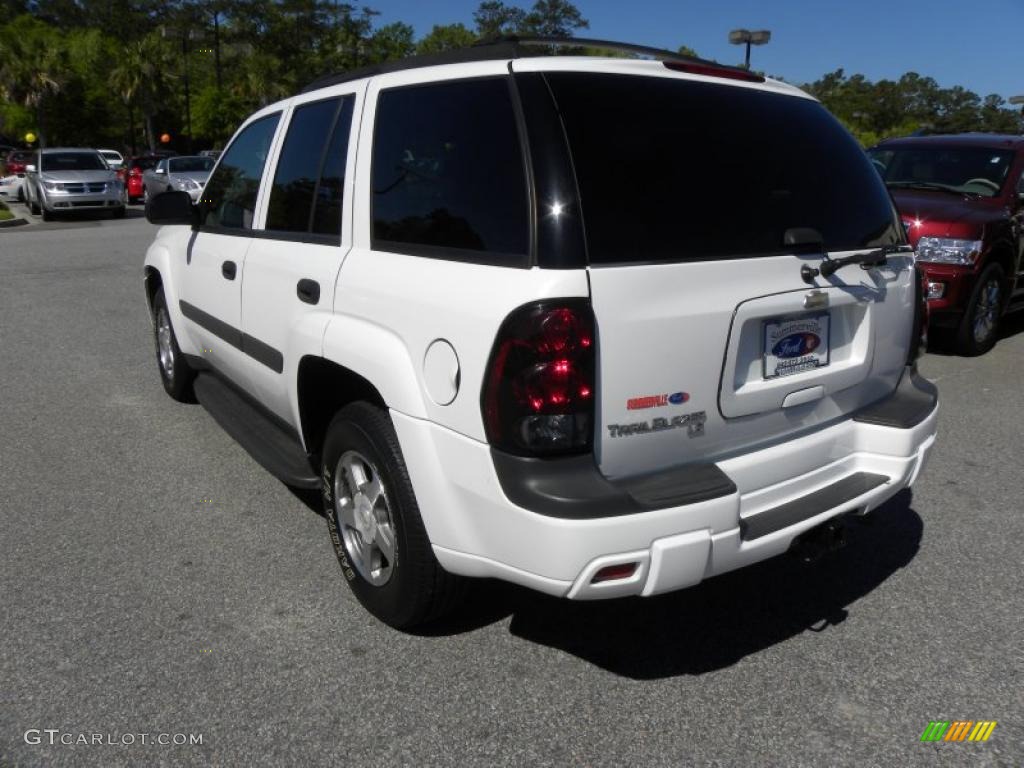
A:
{"x": 34, "y": 66}
{"x": 143, "y": 78}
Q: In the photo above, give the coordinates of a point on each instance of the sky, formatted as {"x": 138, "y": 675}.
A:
{"x": 978, "y": 45}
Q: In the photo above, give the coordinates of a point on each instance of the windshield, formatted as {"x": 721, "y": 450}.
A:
{"x": 72, "y": 161}
{"x": 111, "y": 155}
{"x": 961, "y": 170}
{"x": 676, "y": 170}
{"x": 191, "y": 164}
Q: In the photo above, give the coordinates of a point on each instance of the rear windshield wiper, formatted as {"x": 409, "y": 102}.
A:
{"x": 867, "y": 260}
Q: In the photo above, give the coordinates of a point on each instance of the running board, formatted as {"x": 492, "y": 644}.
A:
{"x": 276, "y": 450}
{"x": 806, "y": 507}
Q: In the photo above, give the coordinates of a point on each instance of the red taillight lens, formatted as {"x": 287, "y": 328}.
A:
{"x": 919, "y": 330}
{"x": 538, "y": 396}
{"x": 120, "y": 174}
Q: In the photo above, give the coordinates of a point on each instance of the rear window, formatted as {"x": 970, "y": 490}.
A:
{"x": 673, "y": 170}
{"x": 145, "y": 163}
{"x": 72, "y": 161}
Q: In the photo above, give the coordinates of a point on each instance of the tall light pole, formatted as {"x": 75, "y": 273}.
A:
{"x": 745, "y": 36}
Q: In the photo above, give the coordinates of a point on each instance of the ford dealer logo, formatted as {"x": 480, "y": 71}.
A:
{"x": 677, "y": 398}
{"x": 796, "y": 345}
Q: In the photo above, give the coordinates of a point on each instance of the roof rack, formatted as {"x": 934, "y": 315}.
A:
{"x": 510, "y": 47}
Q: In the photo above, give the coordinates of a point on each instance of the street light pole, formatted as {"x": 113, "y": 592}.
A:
{"x": 748, "y": 38}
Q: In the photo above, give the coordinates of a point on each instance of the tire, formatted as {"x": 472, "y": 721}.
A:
{"x": 33, "y": 207}
{"x": 979, "y": 327}
{"x": 118, "y": 212}
{"x": 47, "y": 214}
{"x": 403, "y": 585}
{"x": 175, "y": 373}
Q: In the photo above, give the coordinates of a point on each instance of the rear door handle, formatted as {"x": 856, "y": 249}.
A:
{"x": 308, "y": 291}
{"x": 228, "y": 269}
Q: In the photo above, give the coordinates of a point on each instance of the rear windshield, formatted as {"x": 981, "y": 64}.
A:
{"x": 72, "y": 161}
{"x": 674, "y": 170}
{"x": 960, "y": 170}
{"x": 20, "y": 157}
{"x": 145, "y": 163}
{"x": 191, "y": 164}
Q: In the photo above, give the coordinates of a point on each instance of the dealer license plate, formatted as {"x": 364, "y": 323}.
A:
{"x": 795, "y": 345}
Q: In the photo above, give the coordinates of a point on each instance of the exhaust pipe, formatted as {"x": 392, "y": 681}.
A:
{"x": 814, "y": 544}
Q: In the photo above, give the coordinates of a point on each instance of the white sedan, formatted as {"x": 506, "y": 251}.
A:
{"x": 11, "y": 187}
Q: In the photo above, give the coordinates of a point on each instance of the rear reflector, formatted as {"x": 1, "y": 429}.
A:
{"x": 709, "y": 70}
{"x": 614, "y": 572}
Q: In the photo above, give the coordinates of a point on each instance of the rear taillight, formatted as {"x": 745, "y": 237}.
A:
{"x": 919, "y": 330}
{"x": 538, "y": 397}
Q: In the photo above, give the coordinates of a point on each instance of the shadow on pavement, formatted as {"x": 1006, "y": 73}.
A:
{"x": 707, "y": 627}
{"x": 716, "y": 623}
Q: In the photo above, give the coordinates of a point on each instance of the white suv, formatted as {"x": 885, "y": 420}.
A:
{"x": 598, "y": 327}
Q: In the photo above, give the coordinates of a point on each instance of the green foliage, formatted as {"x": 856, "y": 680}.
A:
{"x": 887, "y": 108}
{"x": 115, "y": 72}
{"x": 446, "y": 38}
{"x": 216, "y": 114}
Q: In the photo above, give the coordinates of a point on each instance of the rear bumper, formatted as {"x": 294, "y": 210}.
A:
{"x": 772, "y": 496}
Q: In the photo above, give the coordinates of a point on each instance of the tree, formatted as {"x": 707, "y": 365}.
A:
{"x": 446, "y": 38}
{"x": 554, "y": 18}
{"x": 393, "y": 41}
{"x": 33, "y": 67}
{"x": 493, "y": 19}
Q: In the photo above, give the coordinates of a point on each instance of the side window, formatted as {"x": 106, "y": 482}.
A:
{"x": 229, "y": 199}
{"x": 308, "y": 182}
{"x": 448, "y": 170}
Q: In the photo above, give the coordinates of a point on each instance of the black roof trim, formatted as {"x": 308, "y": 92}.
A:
{"x": 505, "y": 47}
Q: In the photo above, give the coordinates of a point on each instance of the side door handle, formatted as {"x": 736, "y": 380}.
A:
{"x": 228, "y": 269}
{"x": 308, "y": 291}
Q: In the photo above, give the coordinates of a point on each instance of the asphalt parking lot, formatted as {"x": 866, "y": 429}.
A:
{"x": 155, "y": 580}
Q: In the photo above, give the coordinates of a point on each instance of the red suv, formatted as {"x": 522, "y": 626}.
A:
{"x": 961, "y": 198}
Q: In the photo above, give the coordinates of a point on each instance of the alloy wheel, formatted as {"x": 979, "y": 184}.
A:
{"x": 986, "y": 313}
{"x": 363, "y": 516}
{"x": 165, "y": 347}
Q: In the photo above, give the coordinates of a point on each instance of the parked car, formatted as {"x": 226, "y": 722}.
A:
{"x": 185, "y": 174}
{"x": 132, "y": 173}
{"x": 390, "y": 294}
{"x": 73, "y": 179}
{"x": 961, "y": 198}
{"x": 15, "y": 162}
{"x": 114, "y": 158}
{"x": 11, "y": 188}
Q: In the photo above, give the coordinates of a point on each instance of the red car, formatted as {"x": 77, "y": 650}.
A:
{"x": 961, "y": 198}
{"x": 132, "y": 172}
{"x": 16, "y": 161}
